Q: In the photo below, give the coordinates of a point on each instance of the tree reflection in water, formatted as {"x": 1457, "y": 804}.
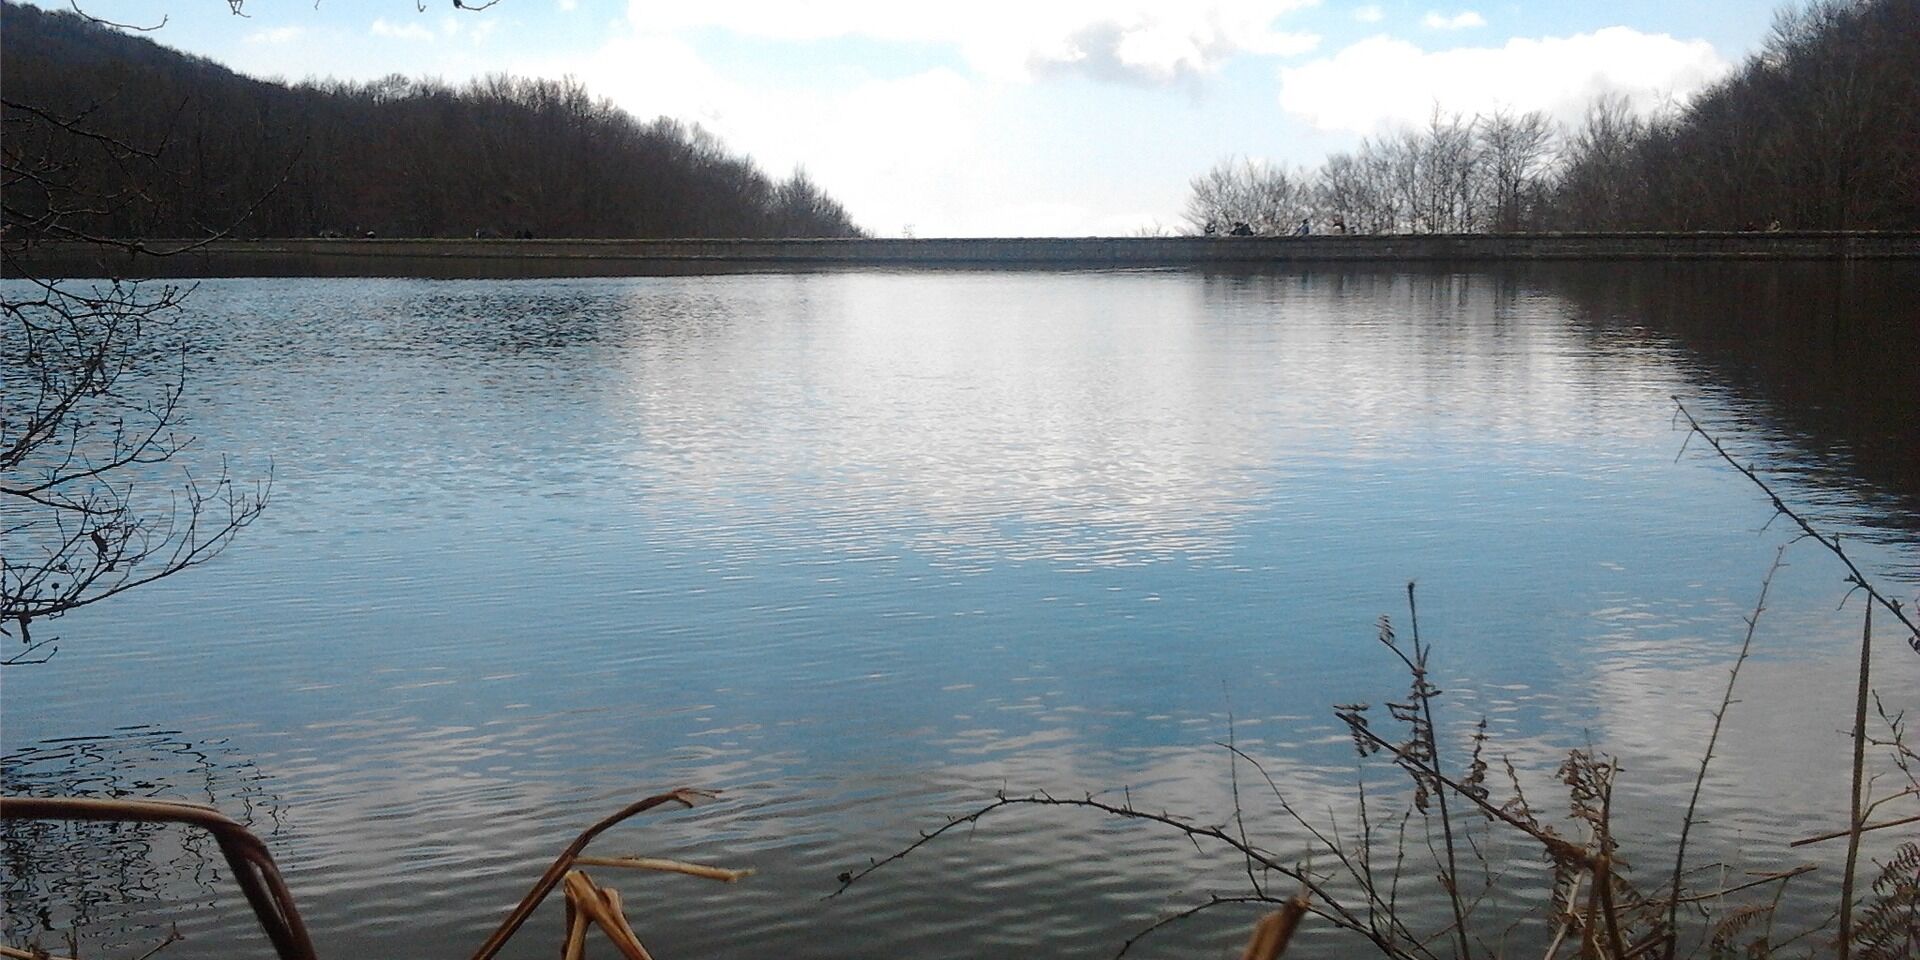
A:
{"x": 117, "y": 886}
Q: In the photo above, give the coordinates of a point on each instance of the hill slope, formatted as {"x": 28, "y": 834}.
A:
{"x": 167, "y": 144}
{"x": 1818, "y": 130}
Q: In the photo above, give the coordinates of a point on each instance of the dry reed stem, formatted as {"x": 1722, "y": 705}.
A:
{"x": 603, "y": 908}
{"x": 1567, "y": 920}
{"x": 1603, "y": 873}
{"x": 575, "y": 947}
{"x": 1275, "y": 930}
{"x": 564, "y": 862}
{"x": 722, "y": 874}
{"x": 621, "y": 933}
{"x": 1866, "y": 828}
{"x": 1763, "y": 879}
{"x": 249, "y": 862}
{"x": 1417, "y": 665}
{"x": 1855, "y": 815}
{"x": 15, "y": 953}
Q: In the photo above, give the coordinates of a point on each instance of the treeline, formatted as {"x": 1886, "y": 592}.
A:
{"x": 113, "y": 135}
{"x": 1817, "y": 131}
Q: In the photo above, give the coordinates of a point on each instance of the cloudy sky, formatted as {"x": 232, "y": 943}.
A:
{"x": 995, "y": 117}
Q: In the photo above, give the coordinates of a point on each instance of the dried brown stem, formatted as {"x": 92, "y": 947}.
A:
{"x": 1275, "y": 930}
{"x": 575, "y": 946}
{"x": 1452, "y": 880}
{"x": 1713, "y": 738}
{"x": 1760, "y": 881}
{"x": 722, "y": 874}
{"x": 1855, "y": 815}
{"x": 1864, "y": 828}
{"x": 15, "y": 953}
{"x": 1603, "y": 865}
{"x": 602, "y": 906}
{"x": 564, "y": 862}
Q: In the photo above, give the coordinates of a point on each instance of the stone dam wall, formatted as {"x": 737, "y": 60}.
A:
{"x": 511, "y": 258}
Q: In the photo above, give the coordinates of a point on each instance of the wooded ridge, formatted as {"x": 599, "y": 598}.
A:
{"x": 113, "y": 135}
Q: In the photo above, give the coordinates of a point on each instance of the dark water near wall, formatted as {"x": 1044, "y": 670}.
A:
{"x": 862, "y": 548}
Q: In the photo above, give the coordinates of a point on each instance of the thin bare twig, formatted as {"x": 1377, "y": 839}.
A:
{"x": 1713, "y": 738}
{"x": 1188, "y": 913}
{"x": 1865, "y": 828}
{"x": 1774, "y": 877}
{"x": 1337, "y": 912}
{"x": 103, "y": 21}
{"x": 1832, "y": 544}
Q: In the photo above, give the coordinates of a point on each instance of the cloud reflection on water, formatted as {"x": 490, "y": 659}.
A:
{"x": 861, "y": 546}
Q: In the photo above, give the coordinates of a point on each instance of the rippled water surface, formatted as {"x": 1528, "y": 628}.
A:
{"x": 862, "y": 548}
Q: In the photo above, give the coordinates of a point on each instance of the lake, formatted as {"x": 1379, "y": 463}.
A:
{"x": 860, "y": 548}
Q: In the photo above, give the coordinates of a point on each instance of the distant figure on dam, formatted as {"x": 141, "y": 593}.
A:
{"x": 1305, "y": 227}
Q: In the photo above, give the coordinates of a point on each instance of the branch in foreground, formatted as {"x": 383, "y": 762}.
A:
{"x": 1713, "y": 739}
{"x": 1323, "y": 903}
{"x": 1832, "y": 544}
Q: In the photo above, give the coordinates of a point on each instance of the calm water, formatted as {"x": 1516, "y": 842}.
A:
{"x": 862, "y": 548}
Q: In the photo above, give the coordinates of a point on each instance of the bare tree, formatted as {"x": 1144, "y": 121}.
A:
{"x": 1514, "y": 154}
{"x": 1816, "y": 131}
{"x": 90, "y": 396}
{"x": 1346, "y": 195}
{"x": 1437, "y": 179}
{"x": 1600, "y": 181}
{"x": 1262, "y": 196}
{"x": 90, "y": 401}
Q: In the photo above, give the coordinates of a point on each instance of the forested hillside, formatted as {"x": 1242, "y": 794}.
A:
{"x": 1819, "y": 130}
{"x": 110, "y": 134}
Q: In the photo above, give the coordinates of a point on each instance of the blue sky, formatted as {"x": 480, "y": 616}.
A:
{"x": 1042, "y": 117}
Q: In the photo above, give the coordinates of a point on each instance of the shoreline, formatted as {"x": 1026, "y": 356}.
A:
{"x": 578, "y": 257}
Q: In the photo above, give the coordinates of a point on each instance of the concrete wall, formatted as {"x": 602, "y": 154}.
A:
{"x": 336, "y": 257}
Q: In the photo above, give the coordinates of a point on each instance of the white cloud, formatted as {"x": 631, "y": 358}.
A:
{"x": 410, "y": 31}
{"x": 1436, "y": 20}
{"x": 1382, "y": 81}
{"x": 649, "y": 75}
{"x": 277, "y": 35}
{"x": 894, "y": 151}
{"x": 475, "y": 29}
{"x": 1155, "y": 41}
{"x": 1371, "y": 13}
{"x": 567, "y": 6}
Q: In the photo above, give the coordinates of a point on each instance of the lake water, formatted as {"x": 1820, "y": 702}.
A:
{"x": 860, "y": 548}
